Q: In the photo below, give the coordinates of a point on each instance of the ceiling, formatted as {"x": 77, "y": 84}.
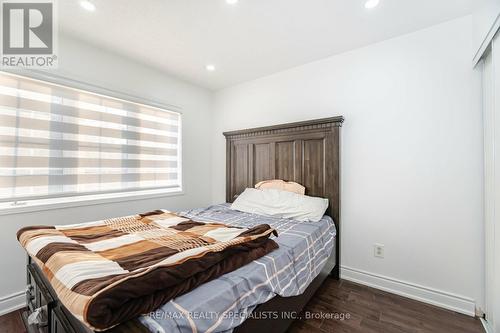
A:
{"x": 250, "y": 39}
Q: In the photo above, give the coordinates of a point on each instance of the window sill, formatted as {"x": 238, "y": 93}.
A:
{"x": 86, "y": 200}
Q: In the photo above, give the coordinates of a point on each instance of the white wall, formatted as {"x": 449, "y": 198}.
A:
{"x": 411, "y": 156}
{"x": 483, "y": 19}
{"x": 80, "y": 61}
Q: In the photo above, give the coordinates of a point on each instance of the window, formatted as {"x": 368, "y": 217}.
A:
{"x": 57, "y": 141}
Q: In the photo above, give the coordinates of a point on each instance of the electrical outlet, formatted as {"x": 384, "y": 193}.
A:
{"x": 378, "y": 250}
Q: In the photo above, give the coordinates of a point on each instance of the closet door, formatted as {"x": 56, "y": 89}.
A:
{"x": 495, "y": 295}
{"x": 489, "y": 189}
{"x": 491, "y": 118}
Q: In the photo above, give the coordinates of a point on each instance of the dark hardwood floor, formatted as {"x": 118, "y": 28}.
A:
{"x": 12, "y": 323}
{"x": 371, "y": 310}
{"x": 345, "y": 307}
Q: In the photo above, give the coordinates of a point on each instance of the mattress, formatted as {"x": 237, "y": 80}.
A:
{"x": 224, "y": 303}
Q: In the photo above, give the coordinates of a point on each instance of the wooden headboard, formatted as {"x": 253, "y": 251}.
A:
{"x": 306, "y": 152}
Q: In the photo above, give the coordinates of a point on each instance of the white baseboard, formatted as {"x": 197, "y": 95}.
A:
{"x": 487, "y": 326}
{"x": 12, "y": 302}
{"x": 435, "y": 297}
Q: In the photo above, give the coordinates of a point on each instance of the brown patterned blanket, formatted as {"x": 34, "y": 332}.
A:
{"x": 110, "y": 271}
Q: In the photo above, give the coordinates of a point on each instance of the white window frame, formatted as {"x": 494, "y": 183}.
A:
{"x": 17, "y": 207}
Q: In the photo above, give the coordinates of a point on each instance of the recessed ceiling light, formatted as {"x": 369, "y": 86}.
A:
{"x": 371, "y": 4}
{"x": 232, "y": 2}
{"x": 87, "y": 5}
{"x": 210, "y": 68}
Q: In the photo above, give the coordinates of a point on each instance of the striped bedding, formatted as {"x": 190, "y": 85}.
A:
{"x": 223, "y": 303}
{"x": 110, "y": 271}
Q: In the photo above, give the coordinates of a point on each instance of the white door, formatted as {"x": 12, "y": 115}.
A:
{"x": 491, "y": 118}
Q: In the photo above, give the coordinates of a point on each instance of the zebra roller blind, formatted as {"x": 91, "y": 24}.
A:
{"x": 58, "y": 141}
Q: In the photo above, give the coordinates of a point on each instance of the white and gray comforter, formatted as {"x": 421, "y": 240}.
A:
{"x": 224, "y": 303}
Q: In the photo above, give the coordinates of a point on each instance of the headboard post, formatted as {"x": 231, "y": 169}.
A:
{"x": 306, "y": 152}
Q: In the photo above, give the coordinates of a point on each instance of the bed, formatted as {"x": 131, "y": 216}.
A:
{"x": 269, "y": 292}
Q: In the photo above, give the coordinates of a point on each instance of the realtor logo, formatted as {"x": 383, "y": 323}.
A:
{"x": 28, "y": 33}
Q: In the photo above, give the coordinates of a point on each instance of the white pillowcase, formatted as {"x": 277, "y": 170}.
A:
{"x": 282, "y": 204}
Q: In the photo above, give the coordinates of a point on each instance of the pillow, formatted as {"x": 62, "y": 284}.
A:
{"x": 281, "y": 204}
{"x": 279, "y": 184}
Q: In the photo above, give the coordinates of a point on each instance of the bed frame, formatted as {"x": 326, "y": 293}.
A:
{"x": 305, "y": 152}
